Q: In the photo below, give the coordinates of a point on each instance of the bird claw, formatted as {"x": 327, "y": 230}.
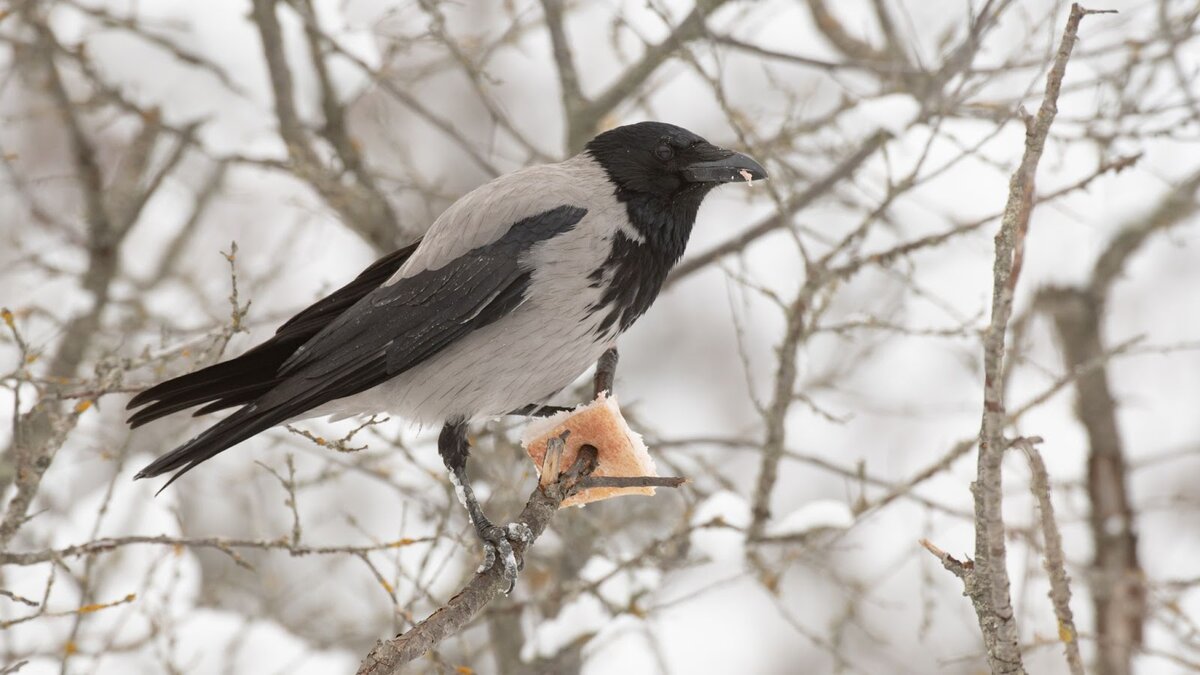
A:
{"x": 497, "y": 548}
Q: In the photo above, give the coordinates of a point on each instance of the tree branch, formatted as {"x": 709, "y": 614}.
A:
{"x": 583, "y": 122}
{"x": 1117, "y": 578}
{"x": 390, "y": 656}
{"x": 568, "y": 76}
{"x": 337, "y": 133}
{"x": 989, "y": 591}
{"x": 1178, "y": 205}
{"x": 1054, "y": 562}
{"x": 227, "y": 546}
{"x": 840, "y": 38}
{"x": 362, "y": 209}
{"x": 842, "y": 171}
{"x": 39, "y": 432}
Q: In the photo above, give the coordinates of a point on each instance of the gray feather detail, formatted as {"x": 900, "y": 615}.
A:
{"x": 534, "y": 351}
{"x": 485, "y": 214}
{"x": 407, "y": 322}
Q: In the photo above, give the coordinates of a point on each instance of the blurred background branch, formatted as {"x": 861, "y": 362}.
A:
{"x": 814, "y": 365}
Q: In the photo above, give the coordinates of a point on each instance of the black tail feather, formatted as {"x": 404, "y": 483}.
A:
{"x": 242, "y": 380}
{"x": 239, "y": 396}
{"x": 246, "y": 380}
{"x": 222, "y": 385}
{"x": 225, "y": 434}
{"x": 283, "y": 402}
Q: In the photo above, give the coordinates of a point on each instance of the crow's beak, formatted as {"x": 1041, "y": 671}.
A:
{"x": 726, "y": 166}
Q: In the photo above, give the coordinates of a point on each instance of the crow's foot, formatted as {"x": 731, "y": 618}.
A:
{"x": 498, "y": 547}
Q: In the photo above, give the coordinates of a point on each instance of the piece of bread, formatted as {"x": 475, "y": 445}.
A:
{"x": 620, "y": 450}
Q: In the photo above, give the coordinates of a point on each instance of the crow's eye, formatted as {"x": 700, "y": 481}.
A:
{"x": 664, "y": 152}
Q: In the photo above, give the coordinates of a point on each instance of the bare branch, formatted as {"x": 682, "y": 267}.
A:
{"x": 585, "y": 121}
{"x": 390, "y": 656}
{"x": 1178, "y": 205}
{"x": 1054, "y": 561}
{"x": 222, "y": 544}
{"x": 840, "y": 38}
{"x": 962, "y": 569}
{"x": 477, "y": 75}
{"x": 568, "y": 77}
{"x": 775, "y": 415}
{"x": 990, "y": 592}
{"x": 837, "y": 174}
{"x": 360, "y": 204}
{"x": 1115, "y": 580}
{"x": 631, "y": 481}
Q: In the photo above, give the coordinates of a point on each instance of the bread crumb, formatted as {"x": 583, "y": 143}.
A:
{"x": 620, "y": 450}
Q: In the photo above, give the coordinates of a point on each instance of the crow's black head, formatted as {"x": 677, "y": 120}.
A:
{"x": 668, "y": 162}
{"x": 661, "y": 173}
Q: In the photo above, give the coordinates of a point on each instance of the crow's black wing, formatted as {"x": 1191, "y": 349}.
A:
{"x": 388, "y": 331}
{"x": 245, "y": 378}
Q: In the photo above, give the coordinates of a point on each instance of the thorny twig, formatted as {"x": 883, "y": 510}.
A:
{"x": 1054, "y": 561}
{"x": 988, "y": 583}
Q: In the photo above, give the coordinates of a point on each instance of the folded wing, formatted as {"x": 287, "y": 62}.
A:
{"x": 388, "y": 330}
{"x": 245, "y": 378}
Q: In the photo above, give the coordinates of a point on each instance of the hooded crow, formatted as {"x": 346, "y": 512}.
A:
{"x": 513, "y": 293}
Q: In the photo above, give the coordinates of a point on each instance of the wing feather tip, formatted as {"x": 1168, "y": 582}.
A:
{"x": 139, "y": 399}
{"x": 141, "y": 417}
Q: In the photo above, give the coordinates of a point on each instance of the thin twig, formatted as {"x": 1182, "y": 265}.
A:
{"x": 222, "y": 544}
{"x": 1054, "y": 562}
{"x": 988, "y": 586}
{"x": 844, "y": 169}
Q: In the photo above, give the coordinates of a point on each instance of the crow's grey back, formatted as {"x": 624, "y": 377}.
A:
{"x": 483, "y": 215}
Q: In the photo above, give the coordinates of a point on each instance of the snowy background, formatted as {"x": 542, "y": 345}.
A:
{"x": 175, "y": 98}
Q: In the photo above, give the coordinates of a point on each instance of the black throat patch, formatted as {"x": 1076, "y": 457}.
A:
{"x": 634, "y": 271}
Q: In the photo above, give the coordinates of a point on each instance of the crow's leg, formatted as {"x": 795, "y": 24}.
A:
{"x": 606, "y": 372}
{"x": 497, "y": 541}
